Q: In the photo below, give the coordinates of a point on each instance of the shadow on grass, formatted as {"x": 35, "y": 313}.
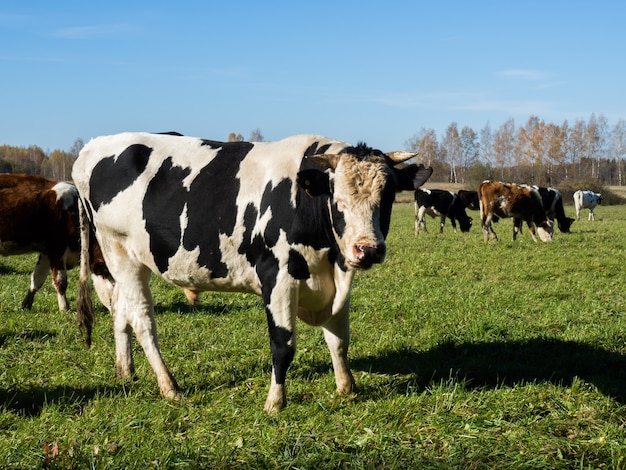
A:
{"x": 30, "y": 402}
{"x": 497, "y": 364}
{"x": 28, "y": 335}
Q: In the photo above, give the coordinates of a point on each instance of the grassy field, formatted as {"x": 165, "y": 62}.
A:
{"x": 466, "y": 354}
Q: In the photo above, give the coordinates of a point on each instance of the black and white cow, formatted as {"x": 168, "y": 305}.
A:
{"x": 469, "y": 199}
{"x": 586, "y": 200}
{"x": 442, "y": 204}
{"x": 289, "y": 220}
{"x": 552, "y": 202}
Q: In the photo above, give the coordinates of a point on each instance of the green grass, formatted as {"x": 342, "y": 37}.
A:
{"x": 467, "y": 355}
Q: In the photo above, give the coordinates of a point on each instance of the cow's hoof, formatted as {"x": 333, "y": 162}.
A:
{"x": 273, "y": 408}
{"x": 174, "y": 395}
{"x": 274, "y": 404}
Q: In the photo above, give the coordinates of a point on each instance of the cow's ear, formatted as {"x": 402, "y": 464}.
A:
{"x": 326, "y": 160}
{"x": 314, "y": 182}
{"x": 412, "y": 177}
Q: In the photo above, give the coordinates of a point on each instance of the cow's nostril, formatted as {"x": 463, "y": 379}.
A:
{"x": 371, "y": 253}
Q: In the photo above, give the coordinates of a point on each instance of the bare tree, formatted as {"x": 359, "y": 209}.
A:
{"x": 425, "y": 144}
{"x": 232, "y": 137}
{"x": 451, "y": 150}
{"x": 486, "y": 146}
{"x": 256, "y": 136}
{"x": 77, "y": 146}
{"x": 618, "y": 148}
{"x": 504, "y": 147}
{"x": 469, "y": 151}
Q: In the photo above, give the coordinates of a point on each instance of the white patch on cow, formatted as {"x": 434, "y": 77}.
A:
{"x": 359, "y": 185}
{"x": 67, "y": 193}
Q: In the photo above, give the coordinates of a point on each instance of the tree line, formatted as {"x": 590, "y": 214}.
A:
{"x": 34, "y": 161}
{"x": 536, "y": 153}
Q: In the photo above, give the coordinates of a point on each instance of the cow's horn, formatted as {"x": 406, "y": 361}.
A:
{"x": 400, "y": 156}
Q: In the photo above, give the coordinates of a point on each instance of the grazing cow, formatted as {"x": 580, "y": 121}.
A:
{"x": 512, "y": 200}
{"x": 469, "y": 199}
{"x": 553, "y": 205}
{"x": 586, "y": 200}
{"x": 440, "y": 203}
{"x": 40, "y": 215}
{"x": 289, "y": 220}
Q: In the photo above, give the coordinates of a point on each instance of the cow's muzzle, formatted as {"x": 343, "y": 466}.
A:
{"x": 367, "y": 255}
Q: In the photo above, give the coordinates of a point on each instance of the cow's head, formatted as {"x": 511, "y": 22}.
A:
{"x": 361, "y": 184}
{"x": 465, "y": 223}
{"x": 545, "y": 231}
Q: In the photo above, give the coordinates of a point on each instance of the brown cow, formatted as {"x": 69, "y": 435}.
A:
{"x": 506, "y": 200}
{"x": 40, "y": 215}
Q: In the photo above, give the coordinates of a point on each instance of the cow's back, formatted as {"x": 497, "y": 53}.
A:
{"x": 191, "y": 208}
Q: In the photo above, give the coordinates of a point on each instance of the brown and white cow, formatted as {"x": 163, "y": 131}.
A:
{"x": 519, "y": 201}
{"x": 40, "y": 215}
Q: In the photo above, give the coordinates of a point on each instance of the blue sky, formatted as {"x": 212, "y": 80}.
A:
{"x": 353, "y": 70}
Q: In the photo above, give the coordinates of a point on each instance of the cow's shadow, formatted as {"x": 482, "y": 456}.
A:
{"x": 29, "y": 402}
{"x": 497, "y": 364}
{"x": 28, "y": 335}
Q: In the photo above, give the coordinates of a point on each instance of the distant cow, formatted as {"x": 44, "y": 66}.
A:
{"x": 40, "y": 215}
{"x": 290, "y": 221}
{"x": 586, "y": 200}
{"x": 513, "y": 200}
{"x": 442, "y": 204}
{"x": 553, "y": 205}
{"x": 469, "y": 199}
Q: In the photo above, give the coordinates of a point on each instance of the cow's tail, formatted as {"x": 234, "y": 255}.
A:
{"x": 84, "y": 306}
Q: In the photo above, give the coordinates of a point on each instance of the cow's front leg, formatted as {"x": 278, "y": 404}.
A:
{"x": 337, "y": 336}
{"x": 37, "y": 278}
{"x": 283, "y": 347}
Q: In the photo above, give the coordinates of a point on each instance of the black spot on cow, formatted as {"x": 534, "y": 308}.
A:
{"x": 250, "y": 216}
{"x": 212, "y": 205}
{"x": 313, "y": 149}
{"x": 163, "y": 205}
{"x": 297, "y": 266}
{"x": 113, "y": 175}
{"x": 283, "y": 213}
{"x": 173, "y": 133}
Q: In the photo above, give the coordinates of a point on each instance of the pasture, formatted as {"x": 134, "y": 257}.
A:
{"x": 467, "y": 355}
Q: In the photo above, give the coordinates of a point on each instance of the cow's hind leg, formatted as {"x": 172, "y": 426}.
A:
{"x": 337, "y": 336}
{"x": 442, "y": 222}
{"x": 132, "y": 310}
{"x": 59, "y": 279}
{"x": 37, "y": 278}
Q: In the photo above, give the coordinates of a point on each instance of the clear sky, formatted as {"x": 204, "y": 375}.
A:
{"x": 373, "y": 71}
